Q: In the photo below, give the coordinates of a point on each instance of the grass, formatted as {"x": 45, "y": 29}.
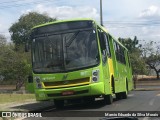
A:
{"x": 18, "y": 98}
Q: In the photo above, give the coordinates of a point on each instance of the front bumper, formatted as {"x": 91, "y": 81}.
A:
{"x": 79, "y": 91}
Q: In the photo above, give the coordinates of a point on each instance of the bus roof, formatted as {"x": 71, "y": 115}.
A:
{"x": 61, "y": 21}
{"x": 104, "y": 29}
{"x": 80, "y": 19}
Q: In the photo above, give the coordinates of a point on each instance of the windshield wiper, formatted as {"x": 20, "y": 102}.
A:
{"x": 72, "y": 38}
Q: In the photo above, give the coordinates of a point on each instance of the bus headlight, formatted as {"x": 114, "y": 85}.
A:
{"x": 38, "y": 82}
{"x": 39, "y": 85}
{"x": 95, "y": 75}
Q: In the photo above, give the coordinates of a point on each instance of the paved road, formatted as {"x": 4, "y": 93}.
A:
{"x": 137, "y": 101}
{"x": 150, "y": 87}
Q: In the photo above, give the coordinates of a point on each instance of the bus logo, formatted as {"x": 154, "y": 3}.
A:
{"x": 65, "y": 77}
{"x": 6, "y": 114}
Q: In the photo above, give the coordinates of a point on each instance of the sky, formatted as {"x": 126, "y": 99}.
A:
{"x": 122, "y": 18}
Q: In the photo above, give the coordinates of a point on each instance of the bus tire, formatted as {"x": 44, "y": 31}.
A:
{"x": 127, "y": 85}
{"x": 112, "y": 84}
{"x": 124, "y": 94}
{"x": 59, "y": 104}
{"x": 108, "y": 99}
{"x": 118, "y": 96}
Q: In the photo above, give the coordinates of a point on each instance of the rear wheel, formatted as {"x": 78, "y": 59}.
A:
{"x": 118, "y": 96}
{"x": 124, "y": 94}
{"x": 112, "y": 84}
{"x": 108, "y": 99}
{"x": 59, "y": 104}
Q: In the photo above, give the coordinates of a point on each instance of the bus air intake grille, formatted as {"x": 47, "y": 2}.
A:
{"x": 67, "y": 83}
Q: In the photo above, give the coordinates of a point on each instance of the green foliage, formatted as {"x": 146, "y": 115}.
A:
{"x": 14, "y": 65}
{"x": 138, "y": 63}
{"x": 3, "y": 40}
{"x": 131, "y": 45}
{"x": 143, "y": 56}
{"x": 20, "y": 31}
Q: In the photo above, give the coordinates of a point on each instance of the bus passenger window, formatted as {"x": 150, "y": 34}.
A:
{"x": 102, "y": 40}
{"x": 107, "y": 45}
{"x": 119, "y": 51}
{"x": 103, "y": 46}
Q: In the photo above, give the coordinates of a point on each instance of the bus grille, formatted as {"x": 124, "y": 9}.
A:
{"x": 67, "y": 83}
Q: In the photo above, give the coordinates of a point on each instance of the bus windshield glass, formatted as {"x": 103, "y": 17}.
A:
{"x": 65, "y": 51}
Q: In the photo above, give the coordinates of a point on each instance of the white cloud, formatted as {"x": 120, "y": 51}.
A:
{"x": 151, "y": 12}
{"x": 145, "y": 30}
{"x": 116, "y": 13}
{"x": 67, "y": 12}
{"x": 4, "y": 29}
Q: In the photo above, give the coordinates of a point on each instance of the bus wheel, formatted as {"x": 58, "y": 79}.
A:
{"x": 124, "y": 95}
{"x": 118, "y": 96}
{"x": 59, "y": 104}
{"x": 108, "y": 99}
{"x": 113, "y": 86}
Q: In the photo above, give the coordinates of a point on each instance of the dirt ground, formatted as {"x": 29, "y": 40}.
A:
{"x": 145, "y": 77}
{"x": 7, "y": 87}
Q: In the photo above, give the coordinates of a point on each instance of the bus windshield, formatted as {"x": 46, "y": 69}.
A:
{"x": 65, "y": 51}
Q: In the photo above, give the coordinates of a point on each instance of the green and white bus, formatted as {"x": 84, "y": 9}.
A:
{"x": 76, "y": 59}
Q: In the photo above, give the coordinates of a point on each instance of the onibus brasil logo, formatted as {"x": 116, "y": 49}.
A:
{"x": 20, "y": 114}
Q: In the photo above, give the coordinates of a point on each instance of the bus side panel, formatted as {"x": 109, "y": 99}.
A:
{"x": 106, "y": 75}
{"x": 122, "y": 75}
{"x": 111, "y": 71}
{"x": 113, "y": 65}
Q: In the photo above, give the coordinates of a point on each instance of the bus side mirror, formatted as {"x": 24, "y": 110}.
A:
{"x": 30, "y": 79}
{"x": 28, "y": 43}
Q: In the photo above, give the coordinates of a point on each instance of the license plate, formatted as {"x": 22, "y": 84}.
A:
{"x": 68, "y": 93}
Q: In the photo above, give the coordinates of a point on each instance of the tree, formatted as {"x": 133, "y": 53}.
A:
{"x": 17, "y": 62}
{"x": 2, "y": 47}
{"x": 3, "y": 40}
{"x": 130, "y": 44}
{"x": 14, "y": 65}
{"x": 143, "y": 55}
{"x": 20, "y": 31}
{"x": 151, "y": 55}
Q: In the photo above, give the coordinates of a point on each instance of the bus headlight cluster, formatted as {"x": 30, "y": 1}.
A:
{"x": 38, "y": 82}
{"x": 95, "y": 75}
